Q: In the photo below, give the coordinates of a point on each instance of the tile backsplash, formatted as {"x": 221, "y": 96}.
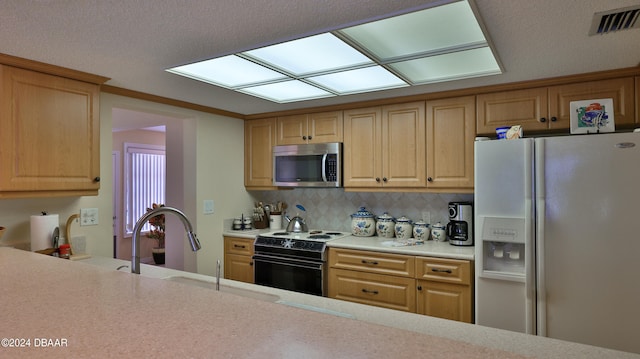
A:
{"x": 331, "y": 208}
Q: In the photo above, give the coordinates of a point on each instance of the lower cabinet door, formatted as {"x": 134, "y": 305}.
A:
{"x": 444, "y": 300}
{"x": 373, "y": 289}
{"x": 238, "y": 268}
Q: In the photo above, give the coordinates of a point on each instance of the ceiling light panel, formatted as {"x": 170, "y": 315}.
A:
{"x": 452, "y": 66}
{"x": 443, "y": 27}
{"x": 287, "y": 91}
{"x": 228, "y": 71}
{"x": 320, "y": 53}
{"x": 360, "y": 80}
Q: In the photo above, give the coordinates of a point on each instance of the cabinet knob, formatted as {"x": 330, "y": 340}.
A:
{"x": 429, "y": 179}
{"x": 377, "y": 179}
{"x": 543, "y": 119}
{"x": 310, "y": 137}
{"x": 97, "y": 179}
{"x": 419, "y": 287}
{"x": 304, "y": 137}
{"x": 554, "y": 119}
{"x": 384, "y": 179}
{"x": 250, "y": 263}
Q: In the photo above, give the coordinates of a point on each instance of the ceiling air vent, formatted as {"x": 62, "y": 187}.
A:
{"x": 615, "y": 20}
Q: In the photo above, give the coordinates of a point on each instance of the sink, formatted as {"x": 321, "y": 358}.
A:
{"x": 224, "y": 288}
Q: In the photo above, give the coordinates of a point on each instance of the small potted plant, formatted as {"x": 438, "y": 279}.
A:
{"x": 157, "y": 233}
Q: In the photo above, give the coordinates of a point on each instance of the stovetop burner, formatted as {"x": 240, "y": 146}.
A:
{"x": 319, "y": 236}
{"x": 280, "y": 233}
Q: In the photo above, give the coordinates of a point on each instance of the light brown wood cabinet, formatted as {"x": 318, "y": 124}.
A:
{"x": 450, "y": 136}
{"x": 548, "y": 108}
{"x": 259, "y": 138}
{"x": 380, "y": 279}
{"x": 437, "y": 287}
{"x": 309, "y": 128}
{"x": 445, "y": 288}
{"x": 50, "y": 138}
{"x": 385, "y": 146}
{"x": 238, "y": 261}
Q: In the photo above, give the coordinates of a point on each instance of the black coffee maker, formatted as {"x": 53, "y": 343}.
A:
{"x": 460, "y": 226}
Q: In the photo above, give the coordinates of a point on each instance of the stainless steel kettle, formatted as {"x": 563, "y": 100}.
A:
{"x": 297, "y": 223}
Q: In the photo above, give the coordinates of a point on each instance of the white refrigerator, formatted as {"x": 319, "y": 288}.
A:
{"x": 557, "y": 229}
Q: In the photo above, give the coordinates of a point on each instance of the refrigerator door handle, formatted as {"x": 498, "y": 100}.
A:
{"x": 530, "y": 283}
{"x": 540, "y": 285}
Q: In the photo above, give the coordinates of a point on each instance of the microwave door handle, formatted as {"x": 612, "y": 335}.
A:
{"x": 324, "y": 167}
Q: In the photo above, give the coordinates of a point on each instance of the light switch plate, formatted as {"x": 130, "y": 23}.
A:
{"x": 207, "y": 206}
{"x": 88, "y": 216}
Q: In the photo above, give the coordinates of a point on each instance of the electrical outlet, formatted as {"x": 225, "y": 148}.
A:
{"x": 207, "y": 206}
{"x": 426, "y": 216}
{"x": 88, "y": 216}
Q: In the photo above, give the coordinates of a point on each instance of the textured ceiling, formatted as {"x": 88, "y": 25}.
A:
{"x": 133, "y": 42}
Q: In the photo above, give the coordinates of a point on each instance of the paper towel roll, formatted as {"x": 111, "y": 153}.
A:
{"x": 42, "y": 228}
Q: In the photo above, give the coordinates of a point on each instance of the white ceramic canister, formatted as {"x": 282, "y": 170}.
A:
{"x": 275, "y": 221}
{"x": 403, "y": 228}
{"x": 421, "y": 230}
{"x": 363, "y": 223}
{"x": 438, "y": 232}
{"x": 385, "y": 226}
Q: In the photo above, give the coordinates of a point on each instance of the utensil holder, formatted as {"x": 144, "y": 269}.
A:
{"x": 261, "y": 224}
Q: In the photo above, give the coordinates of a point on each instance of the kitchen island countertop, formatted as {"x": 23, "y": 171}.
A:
{"x": 73, "y": 309}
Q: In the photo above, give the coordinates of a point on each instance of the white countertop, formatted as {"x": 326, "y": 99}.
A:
{"x": 101, "y": 312}
{"x": 430, "y": 248}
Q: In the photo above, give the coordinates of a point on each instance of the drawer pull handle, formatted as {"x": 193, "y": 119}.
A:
{"x": 364, "y": 261}
{"x": 374, "y": 292}
{"x": 441, "y": 270}
{"x": 239, "y": 246}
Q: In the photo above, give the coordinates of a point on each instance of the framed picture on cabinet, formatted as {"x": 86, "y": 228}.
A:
{"x": 592, "y": 116}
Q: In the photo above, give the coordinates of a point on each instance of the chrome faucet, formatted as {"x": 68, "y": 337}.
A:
{"x": 135, "y": 240}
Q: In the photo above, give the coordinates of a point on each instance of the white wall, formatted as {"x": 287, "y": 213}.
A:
{"x": 205, "y": 156}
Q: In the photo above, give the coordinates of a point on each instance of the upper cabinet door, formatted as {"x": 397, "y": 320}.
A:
{"x": 621, "y": 90}
{"x": 291, "y": 130}
{"x": 450, "y": 137}
{"x": 50, "y": 138}
{"x": 259, "y": 138}
{"x": 325, "y": 127}
{"x": 527, "y": 108}
{"x": 362, "y": 153}
{"x": 403, "y": 145}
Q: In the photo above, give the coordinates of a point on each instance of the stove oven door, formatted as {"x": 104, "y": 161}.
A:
{"x": 290, "y": 274}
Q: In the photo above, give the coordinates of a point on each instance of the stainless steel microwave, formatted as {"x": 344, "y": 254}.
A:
{"x": 308, "y": 165}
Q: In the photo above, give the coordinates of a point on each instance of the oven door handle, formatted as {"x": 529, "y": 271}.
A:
{"x": 289, "y": 262}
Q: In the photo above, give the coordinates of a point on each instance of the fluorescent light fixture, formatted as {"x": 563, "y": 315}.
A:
{"x": 320, "y": 53}
{"x": 287, "y": 91}
{"x": 451, "y": 66}
{"x": 229, "y": 71}
{"x": 422, "y": 32}
{"x": 360, "y": 80}
{"x": 442, "y": 43}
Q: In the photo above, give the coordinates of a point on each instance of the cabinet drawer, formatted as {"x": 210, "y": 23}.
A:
{"x": 444, "y": 270}
{"x": 373, "y": 289}
{"x": 239, "y": 246}
{"x": 372, "y": 262}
